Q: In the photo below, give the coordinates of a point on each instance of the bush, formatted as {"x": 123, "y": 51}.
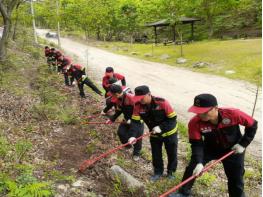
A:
{"x": 206, "y": 179}
{"x": 4, "y": 147}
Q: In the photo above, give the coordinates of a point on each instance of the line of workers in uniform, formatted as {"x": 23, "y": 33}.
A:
{"x": 213, "y": 131}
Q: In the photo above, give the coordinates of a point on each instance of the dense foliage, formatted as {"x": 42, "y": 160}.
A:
{"x": 120, "y": 19}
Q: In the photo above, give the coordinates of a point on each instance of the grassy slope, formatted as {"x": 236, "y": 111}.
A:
{"x": 242, "y": 56}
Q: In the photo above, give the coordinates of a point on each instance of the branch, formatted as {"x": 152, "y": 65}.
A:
{"x": 3, "y": 10}
{"x": 12, "y": 5}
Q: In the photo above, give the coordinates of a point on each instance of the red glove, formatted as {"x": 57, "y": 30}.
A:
{"x": 109, "y": 121}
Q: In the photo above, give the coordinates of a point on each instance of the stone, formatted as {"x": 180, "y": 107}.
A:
{"x": 58, "y": 195}
{"x": 115, "y": 48}
{"x": 147, "y": 55}
{"x": 181, "y": 60}
{"x": 125, "y": 177}
{"x": 164, "y": 57}
{"x": 200, "y": 65}
{"x": 229, "y": 72}
{"x": 78, "y": 183}
{"x": 58, "y": 130}
{"x": 62, "y": 188}
{"x": 90, "y": 194}
{"x": 125, "y": 49}
{"x": 134, "y": 53}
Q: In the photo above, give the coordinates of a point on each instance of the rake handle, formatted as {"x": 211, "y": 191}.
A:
{"x": 195, "y": 176}
{"x": 88, "y": 162}
{"x": 100, "y": 122}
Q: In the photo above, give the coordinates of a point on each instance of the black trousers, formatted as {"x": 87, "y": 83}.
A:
{"x": 68, "y": 80}
{"x": 170, "y": 143}
{"x": 234, "y": 169}
{"x": 109, "y": 105}
{"x": 124, "y": 135}
{"x": 88, "y": 83}
{"x": 59, "y": 67}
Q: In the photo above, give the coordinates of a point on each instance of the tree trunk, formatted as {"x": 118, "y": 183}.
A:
{"x": 210, "y": 25}
{"x": 209, "y": 17}
{"x": 87, "y": 35}
{"x": 6, "y": 12}
{"x": 15, "y": 27}
{"x": 16, "y": 23}
{"x": 4, "y": 39}
{"x": 181, "y": 44}
{"x": 98, "y": 33}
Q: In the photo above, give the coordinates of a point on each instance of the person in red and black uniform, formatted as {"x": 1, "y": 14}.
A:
{"x": 123, "y": 103}
{"x": 47, "y": 51}
{"x": 109, "y": 99}
{"x": 51, "y": 61}
{"x": 65, "y": 62}
{"x": 77, "y": 71}
{"x": 110, "y": 74}
{"x": 54, "y": 56}
{"x": 214, "y": 132}
{"x": 160, "y": 118}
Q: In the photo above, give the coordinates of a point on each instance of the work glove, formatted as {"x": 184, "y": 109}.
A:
{"x": 132, "y": 140}
{"x": 83, "y": 77}
{"x": 109, "y": 121}
{"x": 118, "y": 83}
{"x": 102, "y": 113}
{"x": 238, "y": 148}
{"x": 128, "y": 121}
{"x": 198, "y": 169}
{"x": 156, "y": 130}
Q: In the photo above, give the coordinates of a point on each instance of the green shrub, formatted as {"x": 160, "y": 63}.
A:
{"x": 4, "y": 147}
{"x": 36, "y": 55}
{"x": 206, "y": 179}
{"x": 91, "y": 148}
{"x": 67, "y": 116}
{"x": 58, "y": 176}
{"x": 24, "y": 186}
{"x": 21, "y": 147}
{"x": 182, "y": 129}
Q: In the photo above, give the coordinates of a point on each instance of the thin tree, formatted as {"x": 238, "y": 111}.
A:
{"x": 33, "y": 20}
{"x": 6, "y": 9}
{"x": 58, "y": 25}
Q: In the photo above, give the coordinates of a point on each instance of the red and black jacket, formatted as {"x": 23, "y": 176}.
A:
{"x": 106, "y": 84}
{"x": 123, "y": 105}
{"x": 47, "y": 51}
{"x": 221, "y": 137}
{"x": 76, "y": 71}
{"x": 112, "y": 101}
{"x": 66, "y": 61}
{"x": 158, "y": 113}
{"x": 57, "y": 55}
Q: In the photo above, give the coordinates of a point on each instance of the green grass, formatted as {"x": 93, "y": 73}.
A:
{"x": 242, "y": 56}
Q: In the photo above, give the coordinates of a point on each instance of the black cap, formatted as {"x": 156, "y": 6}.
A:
{"x": 140, "y": 92}
{"x": 203, "y": 103}
{"x": 46, "y": 47}
{"x": 109, "y": 70}
{"x": 115, "y": 89}
{"x": 112, "y": 80}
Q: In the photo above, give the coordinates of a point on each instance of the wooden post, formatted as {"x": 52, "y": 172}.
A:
{"x": 174, "y": 33}
{"x": 192, "y": 30}
{"x": 155, "y": 34}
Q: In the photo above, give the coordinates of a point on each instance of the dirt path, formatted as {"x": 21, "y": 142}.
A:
{"x": 177, "y": 85}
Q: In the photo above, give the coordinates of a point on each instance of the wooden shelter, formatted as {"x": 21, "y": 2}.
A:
{"x": 165, "y": 22}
